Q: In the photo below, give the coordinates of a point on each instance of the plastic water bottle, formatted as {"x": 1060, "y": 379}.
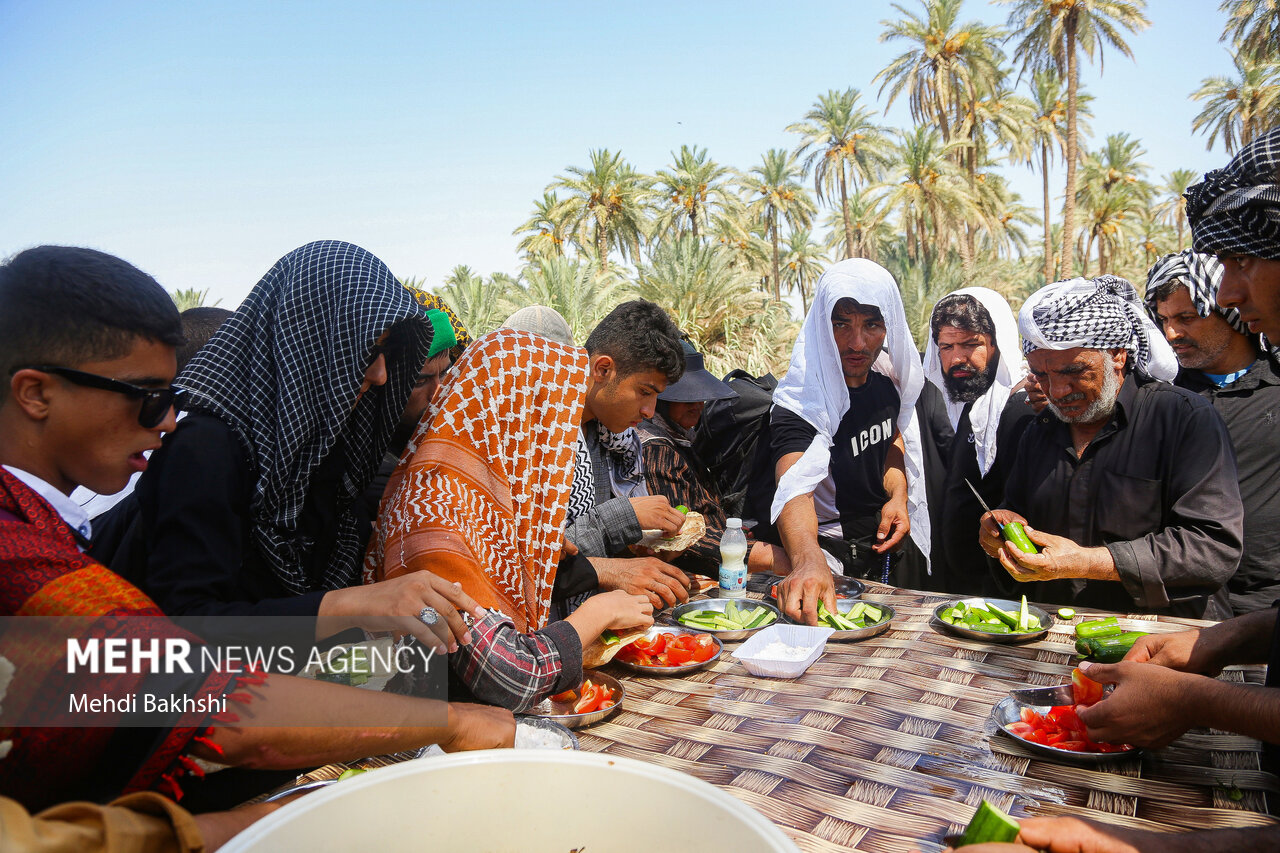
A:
{"x": 733, "y": 560}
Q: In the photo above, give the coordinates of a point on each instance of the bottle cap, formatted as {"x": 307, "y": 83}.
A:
{"x": 733, "y": 522}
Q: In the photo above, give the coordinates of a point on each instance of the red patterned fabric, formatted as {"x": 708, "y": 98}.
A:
{"x": 43, "y": 573}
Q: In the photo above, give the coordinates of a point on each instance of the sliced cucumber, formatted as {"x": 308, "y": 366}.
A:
{"x": 989, "y": 826}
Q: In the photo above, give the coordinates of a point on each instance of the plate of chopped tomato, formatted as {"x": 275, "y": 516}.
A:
{"x": 665, "y": 650}
{"x": 1056, "y": 730}
{"x": 598, "y": 696}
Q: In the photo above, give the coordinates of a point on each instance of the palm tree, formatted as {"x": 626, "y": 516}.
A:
{"x": 480, "y": 305}
{"x": 714, "y": 301}
{"x": 1113, "y": 193}
{"x": 802, "y": 264}
{"x": 1047, "y": 137}
{"x": 930, "y": 193}
{"x": 871, "y": 230}
{"x": 191, "y": 298}
{"x": 580, "y": 290}
{"x": 1154, "y": 238}
{"x": 1241, "y": 108}
{"x": 547, "y": 230}
{"x": 1003, "y": 215}
{"x": 843, "y": 147}
{"x": 922, "y": 282}
{"x": 1050, "y": 32}
{"x": 1172, "y": 209}
{"x": 608, "y": 201}
{"x": 774, "y": 193}
{"x": 694, "y": 190}
{"x": 699, "y": 287}
{"x": 946, "y": 65}
{"x": 1253, "y": 26}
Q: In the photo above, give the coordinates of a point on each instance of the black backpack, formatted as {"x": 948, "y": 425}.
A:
{"x": 732, "y": 440}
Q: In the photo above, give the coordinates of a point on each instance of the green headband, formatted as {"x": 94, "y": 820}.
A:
{"x": 442, "y": 337}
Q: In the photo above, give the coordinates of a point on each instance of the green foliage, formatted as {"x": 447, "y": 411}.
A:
{"x": 192, "y": 298}
{"x": 1239, "y": 108}
{"x": 579, "y": 289}
{"x": 718, "y": 247}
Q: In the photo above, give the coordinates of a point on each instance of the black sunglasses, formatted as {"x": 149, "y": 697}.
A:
{"x": 156, "y": 402}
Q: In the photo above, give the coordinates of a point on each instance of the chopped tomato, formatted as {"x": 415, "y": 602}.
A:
{"x": 678, "y": 655}
{"x": 567, "y": 696}
{"x": 1059, "y": 728}
{"x": 1086, "y": 690}
{"x": 651, "y": 647}
{"x": 590, "y": 699}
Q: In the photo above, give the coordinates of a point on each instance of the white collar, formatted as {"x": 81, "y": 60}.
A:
{"x": 71, "y": 512}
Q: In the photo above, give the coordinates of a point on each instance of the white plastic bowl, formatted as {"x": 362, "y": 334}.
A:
{"x": 803, "y": 636}
{"x": 519, "y": 801}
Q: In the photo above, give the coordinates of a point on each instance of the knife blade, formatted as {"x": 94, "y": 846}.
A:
{"x": 1060, "y": 695}
{"x": 976, "y": 495}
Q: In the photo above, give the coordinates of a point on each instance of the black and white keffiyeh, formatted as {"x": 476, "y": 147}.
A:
{"x": 626, "y": 472}
{"x": 1100, "y": 313}
{"x": 284, "y": 372}
{"x": 1202, "y": 276}
{"x": 1236, "y": 210}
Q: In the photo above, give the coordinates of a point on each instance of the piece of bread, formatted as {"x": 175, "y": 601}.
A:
{"x": 598, "y": 653}
{"x": 694, "y": 528}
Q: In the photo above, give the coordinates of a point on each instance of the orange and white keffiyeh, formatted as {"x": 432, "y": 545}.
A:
{"x": 480, "y": 495}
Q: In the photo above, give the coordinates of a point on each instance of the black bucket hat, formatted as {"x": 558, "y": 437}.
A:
{"x": 696, "y": 385}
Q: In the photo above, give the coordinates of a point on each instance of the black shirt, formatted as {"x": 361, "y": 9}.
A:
{"x": 191, "y": 547}
{"x": 1250, "y": 406}
{"x": 1156, "y": 486}
{"x": 854, "y": 492}
{"x": 970, "y": 570}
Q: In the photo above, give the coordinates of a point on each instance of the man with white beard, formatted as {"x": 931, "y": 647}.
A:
{"x": 1126, "y": 483}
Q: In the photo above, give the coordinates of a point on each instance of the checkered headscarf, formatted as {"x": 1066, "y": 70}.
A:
{"x": 284, "y": 373}
{"x": 1100, "y": 313}
{"x": 1202, "y": 275}
{"x": 1236, "y": 210}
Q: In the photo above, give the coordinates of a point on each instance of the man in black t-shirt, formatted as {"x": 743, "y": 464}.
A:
{"x": 838, "y": 453}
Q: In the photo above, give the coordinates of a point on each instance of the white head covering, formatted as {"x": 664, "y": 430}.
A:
{"x": 814, "y": 387}
{"x": 1100, "y": 313}
{"x": 984, "y": 416}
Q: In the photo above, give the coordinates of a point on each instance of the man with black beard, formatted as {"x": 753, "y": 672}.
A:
{"x": 974, "y": 361}
{"x": 1126, "y": 484}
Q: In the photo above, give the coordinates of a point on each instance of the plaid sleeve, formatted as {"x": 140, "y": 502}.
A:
{"x": 504, "y": 667}
{"x": 606, "y": 529}
{"x": 667, "y": 473}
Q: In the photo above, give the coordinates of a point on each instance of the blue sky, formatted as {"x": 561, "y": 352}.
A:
{"x": 201, "y": 141}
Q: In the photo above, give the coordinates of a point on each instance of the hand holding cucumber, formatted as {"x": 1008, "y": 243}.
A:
{"x": 1057, "y": 556}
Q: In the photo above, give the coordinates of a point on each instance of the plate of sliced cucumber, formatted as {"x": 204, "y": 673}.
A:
{"x": 856, "y": 619}
{"x": 728, "y": 619}
{"x": 993, "y": 620}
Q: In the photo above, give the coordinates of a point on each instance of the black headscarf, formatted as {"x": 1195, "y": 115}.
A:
{"x": 284, "y": 372}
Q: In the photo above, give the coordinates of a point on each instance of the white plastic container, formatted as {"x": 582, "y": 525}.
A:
{"x": 814, "y": 640}
{"x": 733, "y": 560}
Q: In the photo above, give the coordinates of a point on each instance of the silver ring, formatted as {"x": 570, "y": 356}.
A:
{"x": 428, "y": 616}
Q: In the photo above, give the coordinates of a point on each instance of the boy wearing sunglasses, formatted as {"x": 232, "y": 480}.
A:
{"x": 87, "y": 345}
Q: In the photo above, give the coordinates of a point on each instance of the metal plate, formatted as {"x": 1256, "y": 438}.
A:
{"x": 845, "y": 587}
{"x": 847, "y": 604}
{"x": 672, "y": 670}
{"x": 1046, "y": 622}
{"x": 1009, "y": 710}
{"x": 562, "y": 712}
{"x": 721, "y": 604}
{"x": 569, "y": 739}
